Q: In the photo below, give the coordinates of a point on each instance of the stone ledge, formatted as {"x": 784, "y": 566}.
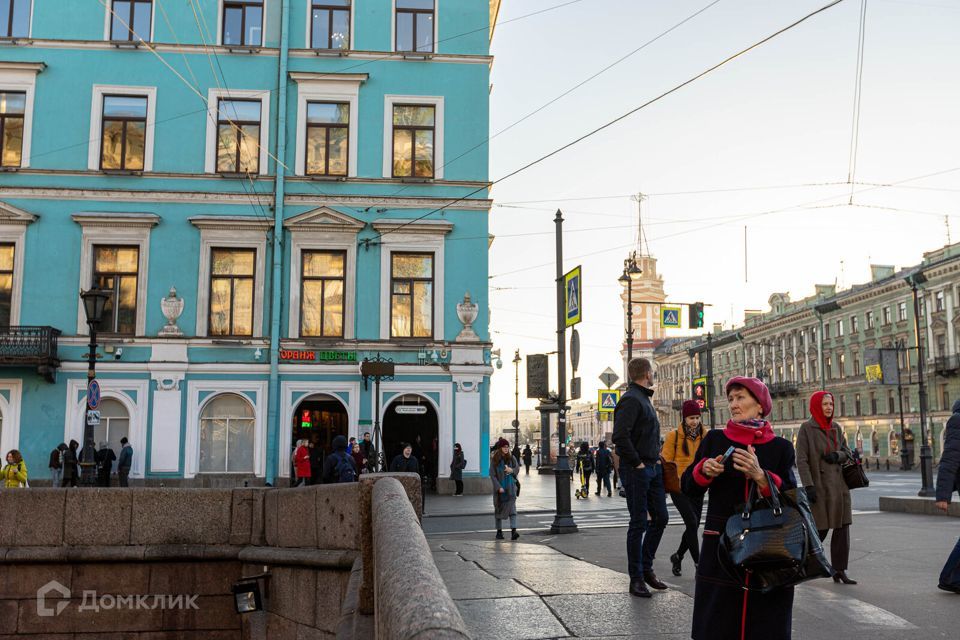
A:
{"x": 322, "y": 558}
{"x": 917, "y": 506}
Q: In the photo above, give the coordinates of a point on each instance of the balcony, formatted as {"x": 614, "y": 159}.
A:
{"x": 677, "y": 405}
{"x": 784, "y": 389}
{"x": 30, "y": 347}
{"x": 946, "y": 365}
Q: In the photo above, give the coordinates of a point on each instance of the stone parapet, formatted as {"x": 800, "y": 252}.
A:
{"x": 917, "y": 506}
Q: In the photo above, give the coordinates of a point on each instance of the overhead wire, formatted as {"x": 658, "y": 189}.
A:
{"x": 857, "y": 97}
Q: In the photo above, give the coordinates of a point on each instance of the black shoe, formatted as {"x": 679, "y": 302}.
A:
{"x": 597, "y": 493}
{"x": 609, "y": 495}
{"x": 841, "y": 576}
{"x": 499, "y": 534}
{"x": 675, "y": 560}
{"x": 651, "y": 579}
{"x": 514, "y": 535}
{"x": 949, "y": 587}
{"x": 638, "y": 589}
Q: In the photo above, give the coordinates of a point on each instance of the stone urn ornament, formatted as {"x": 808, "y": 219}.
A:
{"x": 172, "y": 307}
{"x": 467, "y": 312}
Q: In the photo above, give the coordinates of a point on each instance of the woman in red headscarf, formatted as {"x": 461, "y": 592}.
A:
{"x": 821, "y": 449}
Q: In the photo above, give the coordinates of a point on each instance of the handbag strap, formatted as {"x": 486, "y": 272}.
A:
{"x": 754, "y": 496}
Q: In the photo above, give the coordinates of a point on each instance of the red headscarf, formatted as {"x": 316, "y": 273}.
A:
{"x": 816, "y": 410}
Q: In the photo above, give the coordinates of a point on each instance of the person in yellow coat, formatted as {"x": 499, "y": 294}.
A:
{"x": 14, "y": 474}
{"x": 680, "y": 447}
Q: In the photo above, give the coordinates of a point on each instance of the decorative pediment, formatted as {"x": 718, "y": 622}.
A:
{"x": 10, "y": 214}
{"x": 232, "y": 223}
{"x": 938, "y": 322}
{"x": 324, "y": 219}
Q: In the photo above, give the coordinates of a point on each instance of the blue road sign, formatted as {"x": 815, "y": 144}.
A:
{"x": 93, "y": 394}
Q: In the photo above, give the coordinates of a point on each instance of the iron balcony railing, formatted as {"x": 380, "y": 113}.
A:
{"x": 946, "y": 365}
{"x": 30, "y": 346}
{"x": 784, "y": 389}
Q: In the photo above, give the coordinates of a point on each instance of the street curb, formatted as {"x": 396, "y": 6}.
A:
{"x": 917, "y": 506}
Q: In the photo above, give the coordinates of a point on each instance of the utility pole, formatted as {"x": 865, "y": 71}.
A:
{"x": 563, "y": 519}
{"x": 904, "y": 457}
{"x": 926, "y": 461}
{"x": 516, "y": 398}
{"x": 710, "y": 393}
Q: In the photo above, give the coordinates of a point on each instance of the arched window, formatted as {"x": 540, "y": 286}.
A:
{"x": 114, "y": 424}
{"x": 226, "y": 435}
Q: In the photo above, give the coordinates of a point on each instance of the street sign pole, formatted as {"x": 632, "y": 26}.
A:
{"x": 563, "y": 519}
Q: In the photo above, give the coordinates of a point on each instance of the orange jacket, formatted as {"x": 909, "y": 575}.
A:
{"x": 672, "y": 450}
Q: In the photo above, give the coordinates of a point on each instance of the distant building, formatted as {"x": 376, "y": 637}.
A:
{"x": 646, "y": 287}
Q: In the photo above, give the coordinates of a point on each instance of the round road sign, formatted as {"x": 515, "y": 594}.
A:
{"x": 93, "y": 394}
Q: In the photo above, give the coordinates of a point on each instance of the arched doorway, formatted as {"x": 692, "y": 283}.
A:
{"x": 318, "y": 419}
{"x": 114, "y": 424}
{"x": 412, "y": 419}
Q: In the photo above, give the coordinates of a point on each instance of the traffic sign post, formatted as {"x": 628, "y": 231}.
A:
{"x": 93, "y": 394}
{"x": 607, "y": 400}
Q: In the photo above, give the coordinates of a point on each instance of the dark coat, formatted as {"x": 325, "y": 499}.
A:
{"x": 330, "y": 475}
{"x": 948, "y": 473}
{"x": 504, "y": 504}
{"x": 527, "y": 455}
{"x": 457, "y": 466}
{"x": 404, "y": 465}
{"x": 719, "y": 599}
{"x": 833, "y": 508}
{"x": 604, "y": 461}
{"x": 70, "y": 464}
{"x": 636, "y": 428}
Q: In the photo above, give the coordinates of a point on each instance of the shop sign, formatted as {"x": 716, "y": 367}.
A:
{"x": 411, "y": 409}
{"x": 317, "y": 356}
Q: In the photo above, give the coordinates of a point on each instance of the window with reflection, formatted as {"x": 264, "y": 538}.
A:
{"x": 12, "y": 109}
{"x": 413, "y": 136}
{"x": 330, "y": 24}
{"x": 227, "y": 435}
{"x": 231, "y": 291}
{"x": 243, "y": 23}
{"x": 328, "y": 129}
{"x": 114, "y": 425}
{"x": 238, "y": 136}
{"x": 14, "y": 18}
{"x": 123, "y": 132}
{"x": 115, "y": 270}
{"x": 323, "y": 276}
{"x": 130, "y": 20}
{"x": 411, "y": 300}
{"x": 414, "y": 27}
{"x": 6, "y": 283}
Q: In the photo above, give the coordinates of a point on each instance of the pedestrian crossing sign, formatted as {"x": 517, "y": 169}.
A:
{"x": 607, "y": 402}
{"x": 669, "y": 317}
{"x": 572, "y": 286}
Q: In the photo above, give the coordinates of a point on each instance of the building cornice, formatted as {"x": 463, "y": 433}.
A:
{"x": 318, "y": 76}
{"x": 430, "y": 227}
{"x": 112, "y": 219}
{"x": 11, "y": 65}
{"x": 232, "y": 223}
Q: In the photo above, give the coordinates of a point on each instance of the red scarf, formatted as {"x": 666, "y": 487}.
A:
{"x": 825, "y": 423}
{"x": 747, "y": 434}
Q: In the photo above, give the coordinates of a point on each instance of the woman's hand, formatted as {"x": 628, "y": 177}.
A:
{"x": 501, "y": 490}
{"x": 943, "y": 505}
{"x": 712, "y": 467}
{"x": 508, "y": 469}
{"x": 745, "y": 461}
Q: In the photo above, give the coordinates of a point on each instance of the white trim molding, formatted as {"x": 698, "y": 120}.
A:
{"x": 216, "y": 388}
{"x": 310, "y": 388}
{"x": 10, "y": 411}
{"x": 114, "y": 389}
{"x": 22, "y": 76}
{"x": 13, "y": 229}
{"x": 323, "y": 229}
{"x": 237, "y": 232}
{"x": 328, "y": 87}
{"x": 96, "y": 121}
{"x": 128, "y": 229}
{"x": 388, "y": 102}
{"x": 213, "y": 105}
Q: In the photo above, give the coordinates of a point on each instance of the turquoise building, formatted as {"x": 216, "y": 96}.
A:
{"x": 272, "y": 191}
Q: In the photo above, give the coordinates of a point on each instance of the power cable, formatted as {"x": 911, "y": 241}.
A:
{"x": 857, "y": 96}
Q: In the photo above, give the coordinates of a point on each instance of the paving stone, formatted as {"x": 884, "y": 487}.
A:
{"x": 525, "y": 618}
{"x": 476, "y": 584}
{"x": 605, "y": 615}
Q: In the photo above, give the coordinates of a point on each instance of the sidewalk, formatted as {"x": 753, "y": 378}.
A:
{"x": 516, "y": 591}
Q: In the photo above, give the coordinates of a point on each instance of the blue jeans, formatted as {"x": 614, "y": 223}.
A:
{"x": 950, "y": 576}
{"x": 605, "y": 479}
{"x": 644, "y": 489}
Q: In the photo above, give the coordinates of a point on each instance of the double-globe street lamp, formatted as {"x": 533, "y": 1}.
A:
{"x": 630, "y": 271}
{"x": 94, "y": 303}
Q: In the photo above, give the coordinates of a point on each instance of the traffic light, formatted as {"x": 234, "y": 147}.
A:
{"x": 700, "y": 393}
{"x": 696, "y": 315}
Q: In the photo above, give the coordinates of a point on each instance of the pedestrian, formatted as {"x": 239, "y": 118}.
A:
{"x": 369, "y": 453}
{"x": 358, "y": 458}
{"x": 603, "y": 465}
{"x": 301, "y": 463}
{"x": 104, "y": 459}
{"x": 948, "y": 481}
{"x": 679, "y": 447}
{"x": 617, "y": 486}
{"x": 124, "y": 462}
{"x": 584, "y": 465}
{"x": 71, "y": 471}
{"x": 315, "y": 453}
{"x": 527, "y": 456}
{"x": 351, "y": 443}
{"x": 56, "y": 465}
{"x": 405, "y": 462}
{"x": 722, "y": 606}
{"x": 636, "y": 432}
{"x": 821, "y": 449}
{"x": 504, "y": 468}
{"x": 457, "y": 466}
{"x": 14, "y": 474}
{"x": 515, "y": 452}
{"x": 339, "y": 466}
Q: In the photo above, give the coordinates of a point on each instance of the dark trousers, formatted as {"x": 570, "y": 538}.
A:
{"x": 950, "y": 576}
{"x": 691, "y": 510}
{"x": 69, "y": 482}
{"x": 459, "y": 484}
{"x": 644, "y": 489}
{"x": 527, "y": 465}
{"x": 839, "y": 547}
{"x": 123, "y": 474}
{"x": 605, "y": 479}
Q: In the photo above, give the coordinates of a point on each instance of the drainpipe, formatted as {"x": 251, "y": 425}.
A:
{"x": 276, "y": 286}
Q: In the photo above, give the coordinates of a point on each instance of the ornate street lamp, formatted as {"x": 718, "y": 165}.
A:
{"x": 516, "y": 398}
{"x": 914, "y": 280}
{"x": 630, "y": 271}
{"x": 94, "y": 302}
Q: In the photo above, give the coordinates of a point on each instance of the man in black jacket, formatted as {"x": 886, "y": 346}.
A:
{"x": 948, "y": 481}
{"x": 636, "y": 433}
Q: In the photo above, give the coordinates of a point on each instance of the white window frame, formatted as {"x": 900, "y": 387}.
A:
{"x": 388, "y": 103}
{"x": 425, "y": 237}
{"x": 308, "y": 36}
{"x": 219, "y": 234}
{"x": 195, "y": 407}
{"x": 29, "y": 35}
{"x": 115, "y": 229}
{"x": 263, "y": 27}
{"x": 213, "y": 102}
{"x": 393, "y": 30}
{"x": 13, "y": 229}
{"x": 108, "y": 14}
{"x": 96, "y": 122}
{"x": 328, "y": 88}
{"x": 10, "y": 412}
{"x": 22, "y": 76}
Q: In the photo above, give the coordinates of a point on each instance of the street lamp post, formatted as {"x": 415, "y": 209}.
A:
{"x": 516, "y": 398}
{"x": 630, "y": 270}
{"x": 926, "y": 458}
{"x": 94, "y": 302}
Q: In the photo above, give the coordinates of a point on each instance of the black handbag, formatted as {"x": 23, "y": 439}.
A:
{"x": 853, "y": 473}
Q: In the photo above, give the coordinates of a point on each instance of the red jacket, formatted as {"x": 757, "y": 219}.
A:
{"x": 301, "y": 462}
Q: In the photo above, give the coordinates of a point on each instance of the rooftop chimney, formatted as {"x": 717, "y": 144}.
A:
{"x": 881, "y": 272}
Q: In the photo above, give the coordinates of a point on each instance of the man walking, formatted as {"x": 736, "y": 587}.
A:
{"x": 603, "y": 466}
{"x": 369, "y": 453}
{"x": 124, "y": 462}
{"x": 948, "y": 481}
{"x": 636, "y": 434}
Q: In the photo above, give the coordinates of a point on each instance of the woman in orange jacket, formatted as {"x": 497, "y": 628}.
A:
{"x": 680, "y": 447}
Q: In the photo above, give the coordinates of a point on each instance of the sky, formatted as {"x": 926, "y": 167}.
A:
{"x": 765, "y": 140}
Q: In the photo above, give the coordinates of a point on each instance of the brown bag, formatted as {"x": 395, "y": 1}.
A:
{"x": 671, "y": 475}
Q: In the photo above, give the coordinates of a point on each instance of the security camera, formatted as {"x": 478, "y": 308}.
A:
{"x": 117, "y": 353}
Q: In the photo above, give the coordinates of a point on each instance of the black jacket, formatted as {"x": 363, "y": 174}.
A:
{"x": 636, "y": 428}
{"x": 527, "y": 455}
{"x": 948, "y": 473}
{"x": 604, "y": 461}
{"x": 404, "y": 465}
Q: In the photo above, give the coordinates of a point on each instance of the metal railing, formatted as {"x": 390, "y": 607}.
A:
{"x": 946, "y": 364}
{"x": 784, "y": 389}
{"x": 30, "y": 346}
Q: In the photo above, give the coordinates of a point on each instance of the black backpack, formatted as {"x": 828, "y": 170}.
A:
{"x": 345, "y": 471}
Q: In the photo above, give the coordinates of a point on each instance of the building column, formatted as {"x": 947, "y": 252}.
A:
{"x": 167, "y": 372}
{"x": 927, "y": 315}
{"x": 951, "y": 333}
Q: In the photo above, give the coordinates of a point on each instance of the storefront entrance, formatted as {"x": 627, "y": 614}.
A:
{"x": 412, "y": 419}
{"x": 318, "y": 419}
